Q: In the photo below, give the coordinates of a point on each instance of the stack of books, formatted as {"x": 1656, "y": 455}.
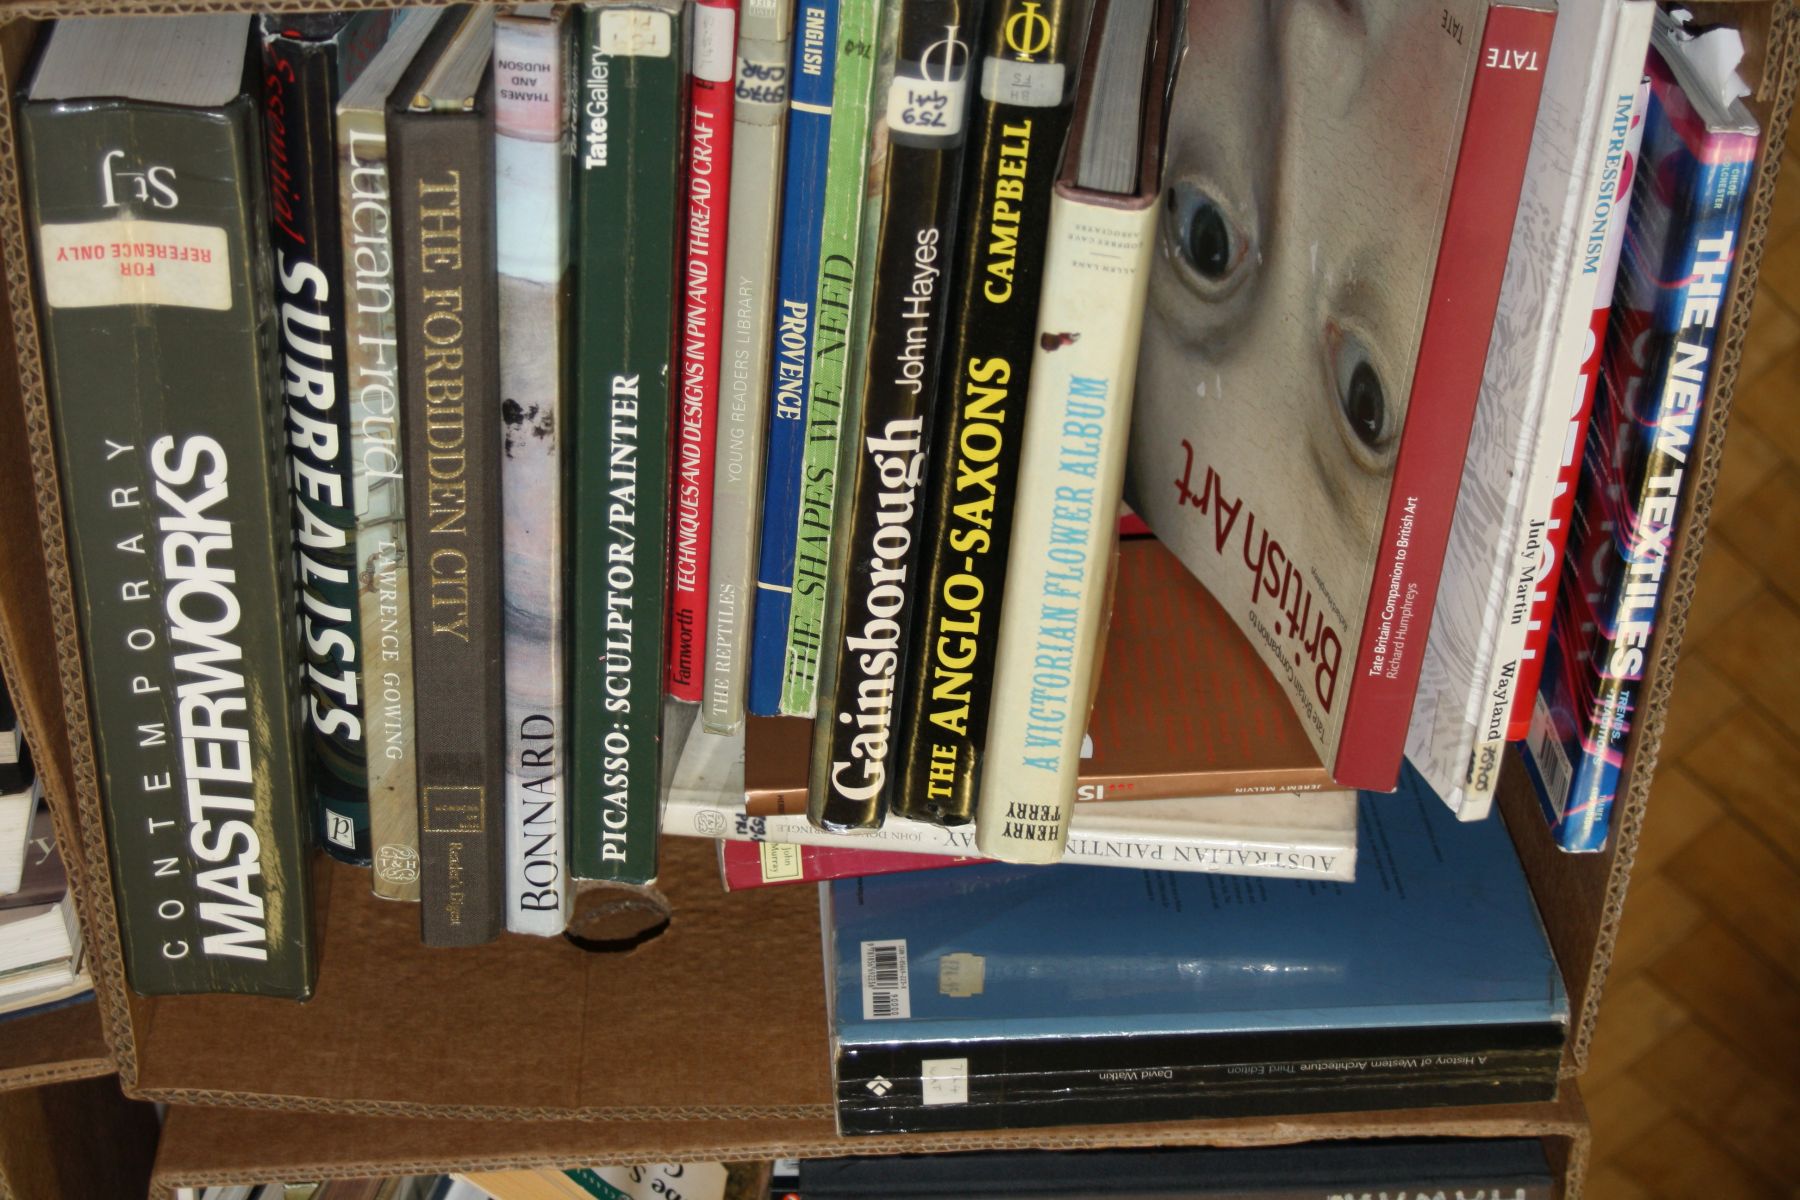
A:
{"x": 40, "y": 939}
{"x": 884, "y": 435}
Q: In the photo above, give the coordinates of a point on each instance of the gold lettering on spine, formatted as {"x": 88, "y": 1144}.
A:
{"x": 446, "y": 417}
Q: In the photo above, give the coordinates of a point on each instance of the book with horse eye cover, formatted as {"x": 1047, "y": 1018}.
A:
{"x": 1321, "y": 299}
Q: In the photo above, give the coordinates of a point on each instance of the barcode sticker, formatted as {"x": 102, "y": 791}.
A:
{"x": 887, "y": 994}
{"x": 1547, "y": 752}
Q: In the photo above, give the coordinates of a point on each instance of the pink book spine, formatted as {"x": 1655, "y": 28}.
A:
{"x": 769, "y": 864}
{"x": 1556, "y": 530}
{"x": 711, "y": 101}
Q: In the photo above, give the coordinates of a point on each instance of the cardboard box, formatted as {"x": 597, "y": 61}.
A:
{"x": 719, "y": 1023}
{"x": 203, "y": 1147}
{"x": 75, "y": 1139}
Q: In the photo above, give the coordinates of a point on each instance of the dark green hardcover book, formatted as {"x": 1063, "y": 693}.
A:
{"x": 1016, "y": 136}
{"x": 307, "y": 62}
{"x": 925, "y": 107}
{"x": 627, "y": 205}
{"x": 441, "y": 153}
{"x": 156, "y": 291}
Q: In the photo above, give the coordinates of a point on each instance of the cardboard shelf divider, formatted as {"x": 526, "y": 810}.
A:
{"x": 47, "y": 1047}
{"x": 717, "y": 1028}
{"x": 203, "y": 1147}
{"x": 78, "y": 1138}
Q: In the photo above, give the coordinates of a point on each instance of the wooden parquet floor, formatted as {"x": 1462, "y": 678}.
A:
{"x": 1694, "y": 1083}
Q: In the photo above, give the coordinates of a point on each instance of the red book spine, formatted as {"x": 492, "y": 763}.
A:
{"x": 766, "y": 864}
{"x": 712, "y": 90}
{"x": 1459, "y": 319}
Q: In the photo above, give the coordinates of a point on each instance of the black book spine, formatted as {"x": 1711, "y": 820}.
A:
{"x": 442, "y": 167}
{"x": 926, "y": 108}
{"x": 299, "y": 99}
{"x": 1015, "y": 140}
{"x": 156, "y": 294}
{"x": 1002, "y": 1083}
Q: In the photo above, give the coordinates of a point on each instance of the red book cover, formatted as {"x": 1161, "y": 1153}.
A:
{"x": 701, "y": 307}
{"x": 1465, "y": 291}
{"x": 1339, "y": 193}
{"x": 767, "y": 864}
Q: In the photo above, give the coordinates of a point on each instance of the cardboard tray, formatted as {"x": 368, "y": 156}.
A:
{"x": 722, "y": 1018}
{"x": 50, "y": 1047}
{"x": 209, "y": 1146}
{"x": 75, "y": 1139}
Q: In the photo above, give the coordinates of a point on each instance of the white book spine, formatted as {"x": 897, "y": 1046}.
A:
{"x": 1457, "y": 733}
{"x": 378, "y": 488}
{"x": 532, "y": 200}
{"x": 1166, "y": 835}
{"x": 760, "y": 120}
{"x": 1072, "y": 459}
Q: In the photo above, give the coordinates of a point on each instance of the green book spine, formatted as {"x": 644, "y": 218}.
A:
{"x": 159, "y": 335}
{"x": 627, "y": 205}
{"x": 841, "y": 246}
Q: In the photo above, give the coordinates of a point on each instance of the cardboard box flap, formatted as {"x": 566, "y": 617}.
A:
{"x": 219, "y": 1146}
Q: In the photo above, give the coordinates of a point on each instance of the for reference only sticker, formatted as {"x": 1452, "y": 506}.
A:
{"x": 887, "y": 994}
{"x": 131, "y": 262}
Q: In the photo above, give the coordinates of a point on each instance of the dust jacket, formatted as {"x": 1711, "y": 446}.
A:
{"x": 156, "y": 278}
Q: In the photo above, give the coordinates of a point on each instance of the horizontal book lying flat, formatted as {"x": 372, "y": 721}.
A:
{"x": 1184, "y": 706}
{"x": 1295, "y": 834}
{"x": 996, "y": 997}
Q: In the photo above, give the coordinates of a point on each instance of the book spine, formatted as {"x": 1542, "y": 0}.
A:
{"x": 628, "y": 189}
{"x": 1673, "y": 279}
{"x": 1465, "y": 291}
{"x": 795, "y": 320}
{"x": 746, "y": 865}
{"x": 1015, "y": 138}
{"x": 156, "y": 280}
{"x": 449, "y": 318}
{"x": 949, "y": 1083}
{"x": 760, "y": 116}
{"x": 531, "y": 169}
{"x": 1535, "y": 558}
{"x": 712, "y": 86}
{"x": 1457, "y": 733}
{"x": 1612, "y": 206}
{"x": 925, "y": 109}
{"x": 1071, "y": 469}
{"x": 1102, "y": 836}
{"x": 300, "y": 79}
{"x": 378, "y": 484}
{"x": 831, "y": 378}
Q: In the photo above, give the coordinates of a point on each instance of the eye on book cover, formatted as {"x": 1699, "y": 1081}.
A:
{"x": 1308, "y": 175}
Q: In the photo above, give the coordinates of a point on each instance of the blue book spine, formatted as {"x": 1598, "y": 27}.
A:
{"x": 803, "y": 208}
{"x": 1680, "y": 243}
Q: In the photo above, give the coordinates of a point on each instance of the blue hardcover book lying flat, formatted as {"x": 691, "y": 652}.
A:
{"x": 998, "y": 997}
